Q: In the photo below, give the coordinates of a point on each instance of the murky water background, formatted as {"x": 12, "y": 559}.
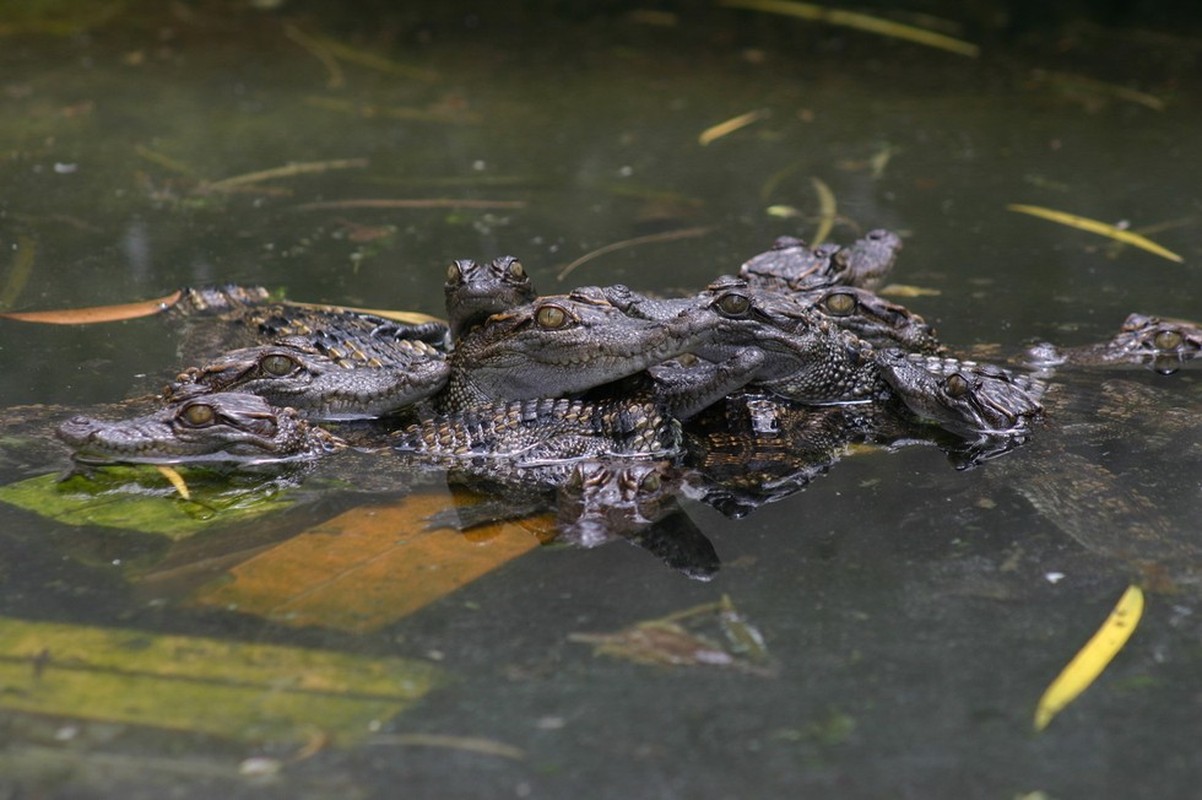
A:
{"x": 915, "y": 612}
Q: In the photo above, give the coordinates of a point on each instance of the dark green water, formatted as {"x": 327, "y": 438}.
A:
{"x": 908, "y": 605}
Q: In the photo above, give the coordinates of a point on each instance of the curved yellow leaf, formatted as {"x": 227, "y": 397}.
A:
{"x": 730, "y": 126}
{"x": 1094, "y": 226}
{"x": 1089, "y": 662}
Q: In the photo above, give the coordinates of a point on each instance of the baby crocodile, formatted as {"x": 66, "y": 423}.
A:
{"x": 1161, "y": 343}
{"x": 771, "y": 341}
{"x": 221, "y": 427}
{"x": 324, "y": 377}
{"x": 246, "y": 316}
{"x": 964, "y": 397}
{"x": 561, "y": 345}
{"x": 475, "y": 291}
{"x": 793, "y": 266}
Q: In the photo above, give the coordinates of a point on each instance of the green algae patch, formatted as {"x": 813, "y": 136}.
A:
{"x": 141, "y": 499}
{"x": 235, "y": 690}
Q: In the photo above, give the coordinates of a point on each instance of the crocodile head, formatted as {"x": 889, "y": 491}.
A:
{"x": 965, "y": 397}
{"x": 1160, "y": 343}
{"x": 322, "y": 378}
{"x": 475, "y": 291}
{"x": 564, "y": 344}
{"x": 792, "y": 265}
{"x": 222, "y": 427}
{"x": 873, "y": 318}
{"x": 805, "y": 356}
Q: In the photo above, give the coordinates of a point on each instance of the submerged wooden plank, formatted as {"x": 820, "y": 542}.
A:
{"x": 231, "y": 689}
{"x": 368, "y": 567}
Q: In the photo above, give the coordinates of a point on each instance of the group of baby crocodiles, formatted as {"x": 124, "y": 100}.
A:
{"x": 604, "y": 400}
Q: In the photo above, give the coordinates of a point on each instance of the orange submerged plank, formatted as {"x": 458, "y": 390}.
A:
{"x": 367, "y": 567}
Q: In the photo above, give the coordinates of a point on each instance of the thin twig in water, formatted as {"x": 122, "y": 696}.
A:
{"x": 863, "y": 22}
{"x": 321, "y": 53}
{"x": 429, "y": 202}
{"x": 286, "y": 171}
{"x": 18, "y": 276}
{"x": 666, "y": 236}
{"x": 471, "y": 744}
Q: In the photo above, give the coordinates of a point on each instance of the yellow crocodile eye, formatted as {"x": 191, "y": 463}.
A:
{"x": 840, "y": 304}
{"x": 454, "y": 274}
{"x": 733, "y": 304}
{"x": 277, "y": 365}
{"x": 198, "y": 415}
{"x": 956, "y": 385}
{"x": 651, "y": 482}
{"x": 551, "y": 317}
{"x": 1168, "y": 340}
{"x": 516, "y": 270}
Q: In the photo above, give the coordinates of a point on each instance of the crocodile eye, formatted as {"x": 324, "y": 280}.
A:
{"x": 840, "y": 304}
{"x": 1168, "y": 340}
{"x": 650, "y": 483}
{"x": 454, "y": 273}
{"x": 956, "y": 385}
{"x": 198, "y": 415}
{"x": 733, "y": 304}
{"x": 551, "y": 317}
{"x": 516, "y": 270}
{"x": 277, "y": 365}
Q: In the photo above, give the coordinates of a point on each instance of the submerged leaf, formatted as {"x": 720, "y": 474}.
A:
{"x": 141, "y": 499}
{"x": 1089, "y": 662}
{"x": 367, "y": 567}
{"x": 231, "y": 689}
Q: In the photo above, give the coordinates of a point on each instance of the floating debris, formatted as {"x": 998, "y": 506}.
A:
{"x": 677, "y": 641}
{"x": 1095, "y": 226}
{"x": 863, "y": 22}
{"x": 1089, "y": 662}
{"x": 730, "y": 126}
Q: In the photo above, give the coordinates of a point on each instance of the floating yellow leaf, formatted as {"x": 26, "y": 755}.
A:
{"x": 863, "y": 22}
{"x": 176, "y": 480}
{"x": 1094, "y": 226}
{"x": 730, "y": 126}
{"x": 237, "y": 690}
{"x": 1089, "y": 662}
{"x": 86, "y": 316}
